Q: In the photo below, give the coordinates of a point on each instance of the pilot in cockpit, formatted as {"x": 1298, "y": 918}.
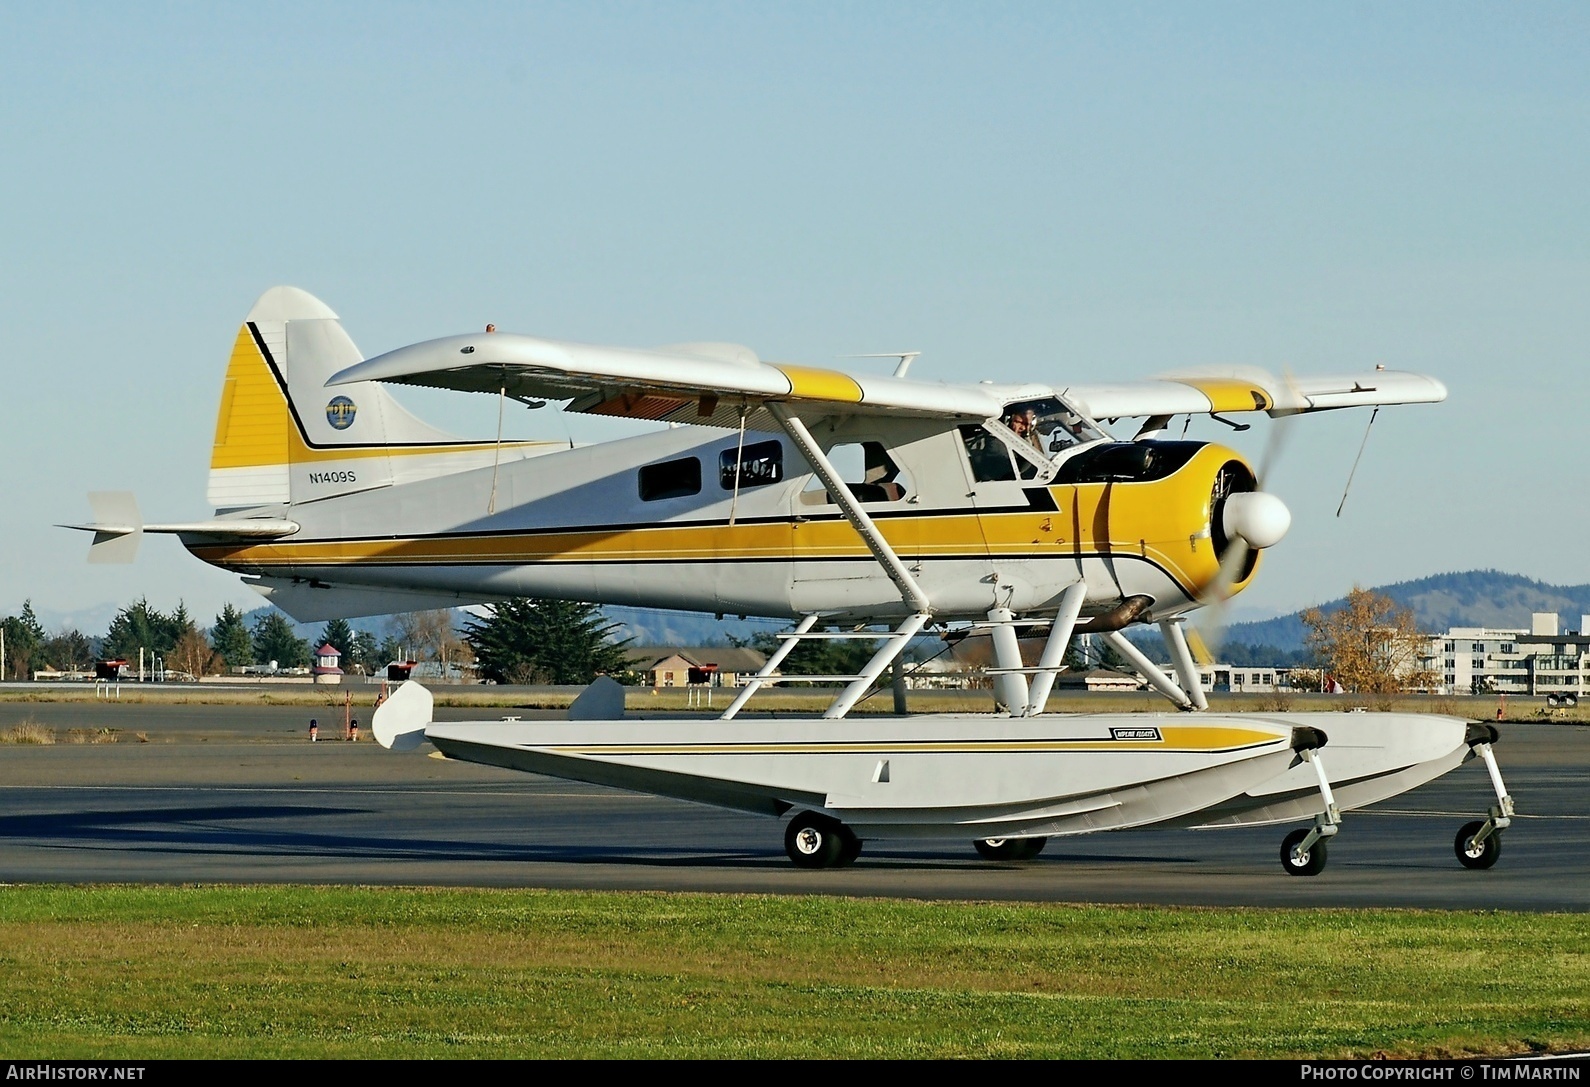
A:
{"x": 1023, "y": 422}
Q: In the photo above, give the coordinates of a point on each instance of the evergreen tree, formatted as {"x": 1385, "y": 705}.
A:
{"x": 340, "y": 636}
{"x": 274, "y": 640}
{"x": 24, "y": 636}
{"x": 365, "y": 653}
{"x": 69, "y": 651}
{"x": 389, "y": 650}
{"x": 139, "y": 626}
{"x": 545, "y": 641}
{"x": 230, "y": 638}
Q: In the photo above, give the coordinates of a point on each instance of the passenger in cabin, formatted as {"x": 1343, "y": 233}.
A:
{"x": 881, "y": 473}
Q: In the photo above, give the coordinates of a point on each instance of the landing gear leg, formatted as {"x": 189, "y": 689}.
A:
{"x": 1479, "y": 844}
{"x": 1303, "y": 851}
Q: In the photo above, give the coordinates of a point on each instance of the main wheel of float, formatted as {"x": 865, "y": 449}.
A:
{"x": 1009, "y": 849}
{"x": 816, "y": 841}
{"x": 1481, "y": 855}
{"x": 1311, "y": 863}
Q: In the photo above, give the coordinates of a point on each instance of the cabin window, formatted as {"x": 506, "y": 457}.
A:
{"x": 760, "y": 464}
{"x": 988, "y": 456}
{"x": 670, "y": 479}
{"x": 867, "y": 469}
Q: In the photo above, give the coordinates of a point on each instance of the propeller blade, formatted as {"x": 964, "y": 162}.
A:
{"x": 1265, "y": 523}
{"x": 1211, "y": 628}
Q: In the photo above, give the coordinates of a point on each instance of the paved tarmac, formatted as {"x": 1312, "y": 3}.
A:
{"x": 237, "y": 794}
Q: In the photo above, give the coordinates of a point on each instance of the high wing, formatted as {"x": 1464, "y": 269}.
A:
{"x": 1240, "y": 390}
{"x": 708, "y": 384}
{"x": 711, "y": 384}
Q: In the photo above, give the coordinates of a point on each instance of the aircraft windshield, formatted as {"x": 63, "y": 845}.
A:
{"x": 1051, "y": 425}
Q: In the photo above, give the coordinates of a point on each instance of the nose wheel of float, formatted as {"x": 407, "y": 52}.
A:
{"x": 1478, "y": 843}
{"x": 816, "y": 841}
{"x": 1477, "y": 851}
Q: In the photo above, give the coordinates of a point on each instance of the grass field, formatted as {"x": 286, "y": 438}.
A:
{"x": 144, "y": 972}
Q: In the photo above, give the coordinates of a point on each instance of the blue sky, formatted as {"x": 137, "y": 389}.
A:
{"x": 1022, "y": 192}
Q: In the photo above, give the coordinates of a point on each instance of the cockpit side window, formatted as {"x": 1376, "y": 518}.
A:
{"x": 1051, "y": 425}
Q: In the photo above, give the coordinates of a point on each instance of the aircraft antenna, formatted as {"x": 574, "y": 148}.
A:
{"x": 1355, "y": 462}
{"x": 906, "y": 359}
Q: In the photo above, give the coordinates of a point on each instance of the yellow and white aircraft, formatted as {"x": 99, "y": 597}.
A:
{"x": 822, "y": 497}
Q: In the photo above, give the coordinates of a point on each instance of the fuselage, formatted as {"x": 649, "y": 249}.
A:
{"x": 710, "y": 520}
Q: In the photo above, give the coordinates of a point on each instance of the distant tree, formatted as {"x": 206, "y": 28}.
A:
{"x": 139, "y": 626}
{"x": 193, "y": 655}
{"x": 1371, "y": 645}
{"x": 364, "y": 653}
{"x": 338, "y": 635}
{"x": 390, "y": 650}
{"x": 545, "y": 641}
{"x": 24, "y": 636}
{"x": 817, "y": 657}
{"x": 70, "y": 651}
{"x": 230, "y": 638}
{"x": 274, "y": 640}
{"x": 430, "y": 635}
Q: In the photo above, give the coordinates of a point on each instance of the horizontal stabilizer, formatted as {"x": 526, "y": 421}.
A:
{"x": 118, "y": 527}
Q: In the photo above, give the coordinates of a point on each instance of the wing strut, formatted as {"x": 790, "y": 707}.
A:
{"x": 910, "y": 591}
{"x": 754, "y": 684}
{"x": 917, "y": 600}
{"x": 1054, "y": 650}
{"x": 1175, "y": 635}
{"x": 1158, "y": 679}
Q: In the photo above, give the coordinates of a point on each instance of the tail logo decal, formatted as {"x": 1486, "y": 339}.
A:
{"x": 340, "y": 412}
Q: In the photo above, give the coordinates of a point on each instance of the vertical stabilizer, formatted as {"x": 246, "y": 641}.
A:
{"x": 283, "y": 437}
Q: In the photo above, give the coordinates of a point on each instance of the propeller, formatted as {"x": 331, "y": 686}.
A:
{"x": 1247, "y": 518}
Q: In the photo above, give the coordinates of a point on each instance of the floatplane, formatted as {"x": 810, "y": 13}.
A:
{"x": 880, "y": 504}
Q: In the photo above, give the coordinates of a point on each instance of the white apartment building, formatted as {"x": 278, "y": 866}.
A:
{"x": 1542, "y": 660}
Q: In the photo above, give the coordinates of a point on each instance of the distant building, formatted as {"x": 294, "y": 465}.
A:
{"x": 1543, "y": 660}
{"x": 717, "y": 666}
{"x": 1243, "y": 678}
{"x": 1099, "y": 679}
{"x": 327, "y": 669}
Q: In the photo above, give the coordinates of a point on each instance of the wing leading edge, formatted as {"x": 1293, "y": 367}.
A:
{"x": 705, "y": 384}
{"x": 713, "y": 384}
{"x": 1248, "y": 390}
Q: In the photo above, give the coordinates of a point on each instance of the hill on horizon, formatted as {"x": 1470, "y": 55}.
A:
{"x": 1472, "y": 598}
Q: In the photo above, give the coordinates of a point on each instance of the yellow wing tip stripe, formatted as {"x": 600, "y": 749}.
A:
{"x": 1227, "y": 395}
{"x": 809, "y": 383}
